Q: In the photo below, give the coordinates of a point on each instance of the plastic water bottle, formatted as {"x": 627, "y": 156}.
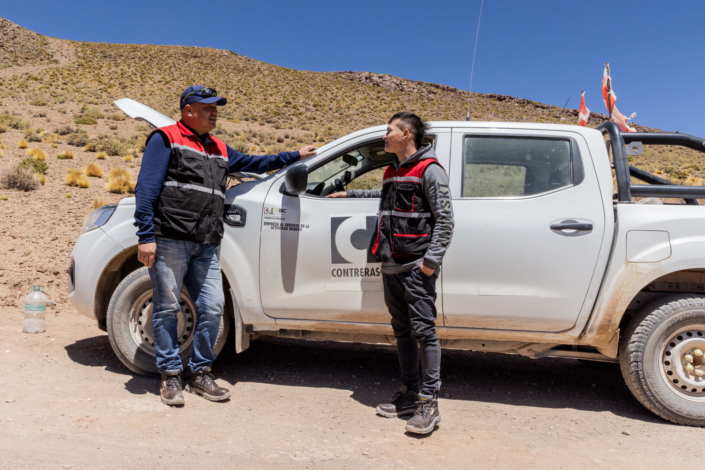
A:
{"x": 35, "y": 307}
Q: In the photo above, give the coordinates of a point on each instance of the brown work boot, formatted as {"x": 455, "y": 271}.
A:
{"x": 170, "y": 389}
{"x": 203, "y": 383}
{"x": 404, "y": 402}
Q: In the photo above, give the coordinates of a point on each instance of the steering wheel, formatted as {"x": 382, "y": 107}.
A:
{"x": 338, "y": 185}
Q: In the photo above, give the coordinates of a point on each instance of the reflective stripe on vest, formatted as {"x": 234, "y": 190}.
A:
{"x": 194, "y": 188}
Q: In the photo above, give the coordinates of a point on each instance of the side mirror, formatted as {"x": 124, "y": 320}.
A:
{"x": 295, "y": 180}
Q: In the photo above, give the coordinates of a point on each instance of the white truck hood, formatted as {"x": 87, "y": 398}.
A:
{"x": 137, "y": 110}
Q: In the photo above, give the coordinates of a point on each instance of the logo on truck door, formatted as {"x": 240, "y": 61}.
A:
{"x": 351, "y": 239}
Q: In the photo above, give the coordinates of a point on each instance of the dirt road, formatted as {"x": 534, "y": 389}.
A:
{"x": 67, "y": 402}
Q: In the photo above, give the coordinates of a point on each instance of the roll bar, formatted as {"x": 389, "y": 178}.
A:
{"x": 657, "y": 187}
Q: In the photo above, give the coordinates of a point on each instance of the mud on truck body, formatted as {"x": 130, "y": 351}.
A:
{"x": 545, "y": 260}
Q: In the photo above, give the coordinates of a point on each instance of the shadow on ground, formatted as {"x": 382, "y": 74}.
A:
{"x": 370, "y": 373}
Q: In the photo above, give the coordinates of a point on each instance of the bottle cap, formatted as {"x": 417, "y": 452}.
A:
{"x": 37, "y": 288}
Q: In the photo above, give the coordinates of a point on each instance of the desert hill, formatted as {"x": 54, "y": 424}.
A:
{"x": 56, "y": 101}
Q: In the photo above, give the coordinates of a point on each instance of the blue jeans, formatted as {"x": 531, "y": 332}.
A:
{"x": 197, "y": 266}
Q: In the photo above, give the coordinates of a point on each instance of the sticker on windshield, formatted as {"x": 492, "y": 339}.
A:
{"x": 351, "y": 239}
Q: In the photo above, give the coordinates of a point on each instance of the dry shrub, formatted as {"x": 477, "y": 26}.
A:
{"x": 50, "y": 138}
{"x": 99, "y": 202}
{"x": 18, "y": 178}
{"x": 127, "y": 158}
{"x": 79, "y": 139}
{"x": 94, "y": 170}
{"x": 23, "y": 144}
{"x": 100, "y": 155}
{"x": 37, "y": 166}
{"x": 77, "y": 177}
{"x": 67, "y": 155}
{"x": 90, "y": 147}
{"x": 120, "y": 181}
{"x": 54, "y": 146}
{"x": 112, "y": 147}
{"x": 37, "y": 154}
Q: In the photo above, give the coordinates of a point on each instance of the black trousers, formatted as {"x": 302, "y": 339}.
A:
{"x": 410, "y": 298}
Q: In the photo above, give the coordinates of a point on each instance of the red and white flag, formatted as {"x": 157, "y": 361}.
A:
{"x": 584, "y": 112}
{"x": 610, "y": 98}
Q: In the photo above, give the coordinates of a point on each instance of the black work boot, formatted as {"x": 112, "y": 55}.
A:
{"x": 170, "y": 389}
{"x": 203, "y": 383}
{"x": 426, "y": 417}
{"x": 403, "y": 403}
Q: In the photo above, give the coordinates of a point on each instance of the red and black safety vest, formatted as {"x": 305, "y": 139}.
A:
{"x": 405, "y": 218}
{"x": 190, "y": 205}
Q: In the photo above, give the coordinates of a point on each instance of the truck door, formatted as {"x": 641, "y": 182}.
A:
{"x": 315, "y": 260}
{"x": 529, "y": 226}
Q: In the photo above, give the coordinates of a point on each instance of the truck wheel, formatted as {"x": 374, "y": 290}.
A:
{"x": 129, "y": 322}
{"x": 662, "y": 359}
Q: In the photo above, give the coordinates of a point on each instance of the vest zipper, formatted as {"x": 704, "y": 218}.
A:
{"x": 210, "y": 175}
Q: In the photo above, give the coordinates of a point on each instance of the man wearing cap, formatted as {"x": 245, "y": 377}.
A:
{"x": 180, "y": 196}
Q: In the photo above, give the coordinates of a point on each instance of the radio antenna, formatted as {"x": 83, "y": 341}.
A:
{"x": 562, "y": 109}
{"x": 467, "y": 118}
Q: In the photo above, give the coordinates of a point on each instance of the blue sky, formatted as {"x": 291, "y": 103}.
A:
{"x": 542, "y": 50}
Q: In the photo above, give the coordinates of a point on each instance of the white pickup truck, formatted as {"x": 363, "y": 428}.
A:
{"x": 545, "y": 259}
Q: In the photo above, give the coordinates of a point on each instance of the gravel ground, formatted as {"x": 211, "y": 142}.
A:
{"x": 67, "y": 402}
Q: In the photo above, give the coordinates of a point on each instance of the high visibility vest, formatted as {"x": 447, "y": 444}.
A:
{"x": 190, "y": 205}
{"x": 405, "y": 218}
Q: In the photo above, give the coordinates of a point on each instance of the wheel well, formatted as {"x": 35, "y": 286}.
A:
{"x": 690, "y": 281}
{"x": 118, "y": 269}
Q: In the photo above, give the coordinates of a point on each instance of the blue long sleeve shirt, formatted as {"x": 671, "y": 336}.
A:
{"x": 153, "y": 173}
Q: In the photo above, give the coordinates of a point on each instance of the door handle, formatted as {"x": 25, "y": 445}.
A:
{"x": 572, "y": 226}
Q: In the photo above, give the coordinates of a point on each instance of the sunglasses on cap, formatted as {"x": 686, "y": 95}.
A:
{"x": 203, "y": 93}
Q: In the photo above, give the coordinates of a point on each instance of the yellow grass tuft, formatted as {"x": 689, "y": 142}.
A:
{"x": 101, "y": 155}
{"x": 127, "y": 158}
{"x": 94, "y": 170}
{"x": 37, "y": 154}
{"x": 41, "y": 177}
{"x": 99, "y": 202}
{"x": 120, "y": 181}
{"x": 77, "y": 177}
{"x": 0, "y": 153}
{"x": 50, "y": 138}
{"x": 54, "y": 146}
{"x": 22, "y": 144}
{"x": 66, "y": 155}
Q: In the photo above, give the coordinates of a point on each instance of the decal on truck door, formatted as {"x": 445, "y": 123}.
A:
{"x": 350, "y": 241}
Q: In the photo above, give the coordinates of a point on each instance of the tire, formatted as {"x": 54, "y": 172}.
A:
{"x": 130, "y": 310}
{"x": 655, "y": 351}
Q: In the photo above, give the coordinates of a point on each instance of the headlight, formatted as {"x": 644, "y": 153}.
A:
{"x": 98, "y": 217}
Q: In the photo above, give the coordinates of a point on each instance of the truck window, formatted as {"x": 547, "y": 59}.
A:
{"x": 357, "y": 168}
{"x": 514, "y": 166}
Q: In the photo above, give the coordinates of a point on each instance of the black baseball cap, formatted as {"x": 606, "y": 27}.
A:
{"x": 201, "y": 94}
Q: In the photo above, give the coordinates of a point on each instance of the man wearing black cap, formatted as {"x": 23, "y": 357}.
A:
{"x": 180, "y": 197}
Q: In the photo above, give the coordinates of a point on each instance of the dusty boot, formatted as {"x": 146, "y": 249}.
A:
{"x": 170, "y": 389}
{"x": 426, "y": 417}
{"x": 203, "y": 383}
{"x": 404, "y": 402}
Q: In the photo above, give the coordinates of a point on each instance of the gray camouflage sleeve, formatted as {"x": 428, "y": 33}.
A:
{"x": 435, "y": 183}
{"x": 364, "y": 192}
